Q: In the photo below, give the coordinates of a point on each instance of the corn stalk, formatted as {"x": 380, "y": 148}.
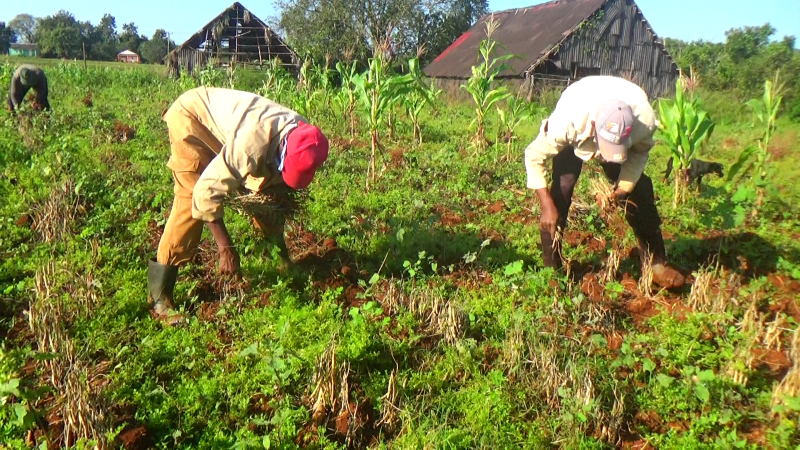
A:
{"x": 378, "y": 91}
{"x": 479, "y": 85}
{"x": 684, "y": 128}
{"x": 347, "y": 93}
{"x": 765, "y": 110}
{"x": 425, "y": 94}
{"x": 516, "y": 111}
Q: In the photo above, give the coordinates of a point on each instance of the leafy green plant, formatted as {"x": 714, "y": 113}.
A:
{"x": 765, "y": 110}
{"x": 424, "y": 95}
{"x": 347, "y": 93}
{"x": 516, "y": 111}
{"x": 378, "y": 90}
{"x": 684, "y": 127}
{"x": 479, "y": 85}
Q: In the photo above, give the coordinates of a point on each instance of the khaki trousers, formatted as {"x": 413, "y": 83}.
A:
{"x": 192, "y": 147}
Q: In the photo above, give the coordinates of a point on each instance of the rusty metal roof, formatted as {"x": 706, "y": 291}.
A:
{"x": 528, "y": 32}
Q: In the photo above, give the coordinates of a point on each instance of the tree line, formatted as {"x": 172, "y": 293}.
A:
{"x": 748, "y": 56}
{"x": 317, "y": 29}
{"x": 63, "y": 36}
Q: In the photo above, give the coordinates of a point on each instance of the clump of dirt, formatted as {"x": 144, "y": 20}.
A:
{"x": 592, "y": 288}
{"x": 782, "y": 145}
{"x": 496, "y": 207}
{"x": 450, "y": 218}
{"x": 577, "y": 238}
{"x": 398, "y": 160}
{"x": 122, "y": 133}
{"x": 87, "y": 100}
{"x": 134, "y": 437}
{"x": 469, "y": 279}
{"x": 777, "y": 362}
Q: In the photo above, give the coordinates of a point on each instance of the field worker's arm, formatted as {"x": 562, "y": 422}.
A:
{"x": 633, "y": 167}
{"x": 221, "y": 177}
{"x": 14, "y": 92}
{"x": 537, "y": 152}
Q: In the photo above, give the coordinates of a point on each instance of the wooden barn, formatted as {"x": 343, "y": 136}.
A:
{"x": 235, "y": 36}
{"x": 564, "y": 40}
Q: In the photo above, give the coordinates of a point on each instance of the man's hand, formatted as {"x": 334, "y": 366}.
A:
{"x": 549, "y": 219}
{"x": 228, "y": 261}
{"x": 228, "y": 258}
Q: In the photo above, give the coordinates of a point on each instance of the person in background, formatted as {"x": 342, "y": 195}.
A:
{"x": 25, "y": 78}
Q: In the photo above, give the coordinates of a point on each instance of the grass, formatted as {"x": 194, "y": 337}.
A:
{"x": 419, "y": 315}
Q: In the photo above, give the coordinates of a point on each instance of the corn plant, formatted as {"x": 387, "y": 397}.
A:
{"x": 306, "y": 94}
{"x": 277, "y": 84}
{"x": 347, "y": 94}
{"x": 480, "y": 84}
{"x": 378, "y": 91}
{"x": 516, "y": 111}
{"x": 425, "y": 94}
{"x": 765, "y": 110}
{"x": 684, "y": 127}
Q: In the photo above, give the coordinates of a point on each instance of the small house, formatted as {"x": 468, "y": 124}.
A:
{"x": 561, "y": 41}
{"x": 23, "y": 50}
{"x": 128, "y": 56}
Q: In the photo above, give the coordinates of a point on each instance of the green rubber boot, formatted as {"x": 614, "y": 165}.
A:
{"x": 160, "y": 283}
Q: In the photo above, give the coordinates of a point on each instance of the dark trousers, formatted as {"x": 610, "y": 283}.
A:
{"x": 640, "y": 210}
{"x": 17, "y": 94}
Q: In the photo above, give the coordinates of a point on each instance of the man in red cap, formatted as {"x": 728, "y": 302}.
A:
{"x": 607, "y": 118}
{"x": 222, "y": 140}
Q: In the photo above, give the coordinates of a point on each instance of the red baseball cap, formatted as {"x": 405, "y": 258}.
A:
{"x": 306, "y": 150}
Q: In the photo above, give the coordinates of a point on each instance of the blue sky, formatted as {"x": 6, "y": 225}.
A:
{"x": 684, "y": 19}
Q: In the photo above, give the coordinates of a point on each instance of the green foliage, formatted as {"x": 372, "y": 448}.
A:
{"x": 378, "y": 90}
{"x": 480, "y": 84}
{"x": 344, "y": 30}
{"x": 445, "y": 330}
{"x": 685, "y": 127}
{"x": 7, "y": 37}
{"x": 742, "y": 63}
{"x": 516, "y": 111}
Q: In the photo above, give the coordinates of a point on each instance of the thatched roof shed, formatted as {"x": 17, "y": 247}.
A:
{"x": 235, "y": 36}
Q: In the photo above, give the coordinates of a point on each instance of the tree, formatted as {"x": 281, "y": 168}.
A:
{"x": 24, "y": 25}
{"x": 352, "y": 28}
{"x": 7, "y": 37}
{"x": 130, "y": 39}
{"x": 104, "y": 40}
{"x": 154, "y": 50}
{"x": 61, "y": 35}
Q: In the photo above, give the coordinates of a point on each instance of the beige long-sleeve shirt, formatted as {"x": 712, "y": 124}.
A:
{"x": 570, "y": 124}
{"x": 252, "y": 130}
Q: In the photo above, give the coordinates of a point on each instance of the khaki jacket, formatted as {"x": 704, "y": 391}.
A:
{"x": 570, "y": 125}
{"x": 251, "y": 129}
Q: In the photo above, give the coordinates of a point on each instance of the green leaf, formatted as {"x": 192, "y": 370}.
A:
{"x": 374, "y": 279}
{"x": 706, "y": 375}
{"x": 22, "y": 412}
{"x": 648, "y": 365}
{"x": 744, "y": 156}
{"x": 664, "y": 380}
{"x": 701, "y": 391}
{"x": 251, "y": 349}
